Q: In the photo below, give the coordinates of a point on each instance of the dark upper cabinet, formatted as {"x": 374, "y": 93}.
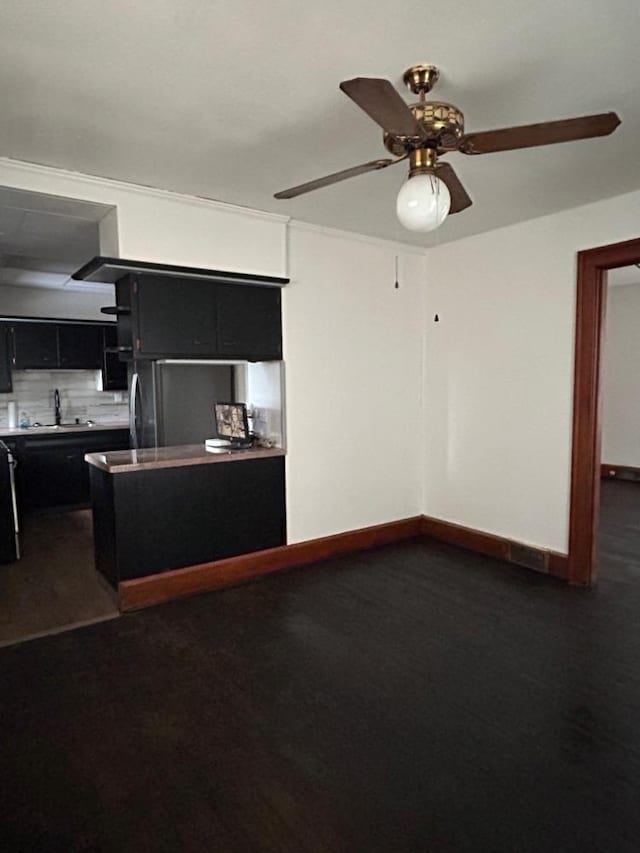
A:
{"x": 80, "y": 346}
{"x": 249, "y": 322}
{"x": 175, "y": 317}
{"x": 5, "y": 358}
{"x": 169, "y": 317}
{"x": 35, "y": 345}
{"x": 114, "y": 370}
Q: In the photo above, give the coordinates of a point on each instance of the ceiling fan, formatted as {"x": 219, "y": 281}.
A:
{"x": 424, "y": 131}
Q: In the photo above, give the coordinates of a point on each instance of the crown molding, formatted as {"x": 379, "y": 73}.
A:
{"x": 392, "y": 245}
{"x": 40, "y": 170}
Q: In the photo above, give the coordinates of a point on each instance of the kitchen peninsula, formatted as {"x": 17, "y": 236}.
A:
{"x": 161, "y": 509}
{"x": 171, "y": 509}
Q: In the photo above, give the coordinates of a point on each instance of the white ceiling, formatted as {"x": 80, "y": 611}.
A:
{"x": 235, "y": 101}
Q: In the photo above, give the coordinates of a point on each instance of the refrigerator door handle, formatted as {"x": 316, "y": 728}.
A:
{"x": 133, "y": 401}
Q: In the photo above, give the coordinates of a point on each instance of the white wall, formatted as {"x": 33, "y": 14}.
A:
{"x": 499, "y": 371}
{"x": 48, "y": 302}
{"x": 388, "y": 413}
{"x": 353, "y": 349}
{"x": 164, "y": 227}
{"x": 265, "y": 393}
{"x": 621, "y": 377}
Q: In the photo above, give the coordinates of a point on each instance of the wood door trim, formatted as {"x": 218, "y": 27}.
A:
{"x": 587, "y": 403}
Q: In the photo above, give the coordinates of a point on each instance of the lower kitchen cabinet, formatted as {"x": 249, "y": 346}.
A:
{"x": 51, "y": 477}
{"x": 51, "y": 473}
{"x": 151, "y": 521}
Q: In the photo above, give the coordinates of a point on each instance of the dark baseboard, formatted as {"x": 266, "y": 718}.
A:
{"x": 178, "y": 583}
{"x": 155, "y": 589}
{"x": 619, "y": 472}
{"x": 538, "y": 559}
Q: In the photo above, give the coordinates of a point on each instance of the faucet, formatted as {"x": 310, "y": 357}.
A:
{"x": 56, "y": 404}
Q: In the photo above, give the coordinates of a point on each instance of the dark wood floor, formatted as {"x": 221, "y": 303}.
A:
{"x": 55, "y": 585}
{"x": 419, "y": 698}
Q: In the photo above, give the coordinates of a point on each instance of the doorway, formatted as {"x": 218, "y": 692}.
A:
{"x": 593, "y": 266}
{"x": 56, "y": 405}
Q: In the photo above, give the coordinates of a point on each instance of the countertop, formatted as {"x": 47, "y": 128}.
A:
{"x": 5, "y": 432}
{"x": 150, "y": 458}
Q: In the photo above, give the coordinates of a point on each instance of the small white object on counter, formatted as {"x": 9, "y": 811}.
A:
{"x": 216, "y": 443}
{"x": 12, "y": 414}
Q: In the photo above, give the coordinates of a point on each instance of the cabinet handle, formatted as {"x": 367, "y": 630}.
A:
{"x": 115, "y": 350}
{"x": 117, "y": 310}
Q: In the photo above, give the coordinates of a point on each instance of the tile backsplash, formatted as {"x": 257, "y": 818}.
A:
{"x": 79, "y": 397}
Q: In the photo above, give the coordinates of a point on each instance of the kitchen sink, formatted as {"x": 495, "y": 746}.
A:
{"x": 85, "y": 425}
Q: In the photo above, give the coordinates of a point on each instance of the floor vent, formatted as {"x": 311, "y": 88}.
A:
{"x": 532, "y": 558}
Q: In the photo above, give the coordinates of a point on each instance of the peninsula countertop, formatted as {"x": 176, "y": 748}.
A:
{"x": 150, "y": 458}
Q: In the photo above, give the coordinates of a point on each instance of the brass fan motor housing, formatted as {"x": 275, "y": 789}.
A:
{"x": 421, "y": 78}
{"x": 443, "y": 124}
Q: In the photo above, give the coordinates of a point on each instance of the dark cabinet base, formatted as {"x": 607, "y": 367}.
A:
{"x": 52, "y": 475}
{"x": 146, "y": 522}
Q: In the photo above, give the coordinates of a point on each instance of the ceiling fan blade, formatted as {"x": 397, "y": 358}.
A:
{"x": 459, "y": 197}
{"x": 371, "y": 166}
{"x": 383, "y": 104}
{"x": 545, "y": 133}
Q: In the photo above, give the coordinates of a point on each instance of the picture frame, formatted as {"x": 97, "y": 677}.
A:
{"x": 231, "y": 422}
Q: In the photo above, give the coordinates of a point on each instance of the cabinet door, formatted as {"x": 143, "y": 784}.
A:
{"x": 80, "y": 346}
{"x": 5, "y": 358}
{"x": 50, "y": 478}
{"x": 252, "y": 514}
{"x": 114, "y": 371}
{"x": 175, "y": 317}
{"x": 35, "y": 345}
{"x": 52, "y": 473}
{"x": 249, "y": 322}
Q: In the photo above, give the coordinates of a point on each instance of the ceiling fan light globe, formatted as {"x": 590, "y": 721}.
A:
{"x": 423, "y": 203}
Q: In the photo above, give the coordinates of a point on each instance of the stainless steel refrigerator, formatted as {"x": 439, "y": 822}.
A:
{"x": 171, "y": 403}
